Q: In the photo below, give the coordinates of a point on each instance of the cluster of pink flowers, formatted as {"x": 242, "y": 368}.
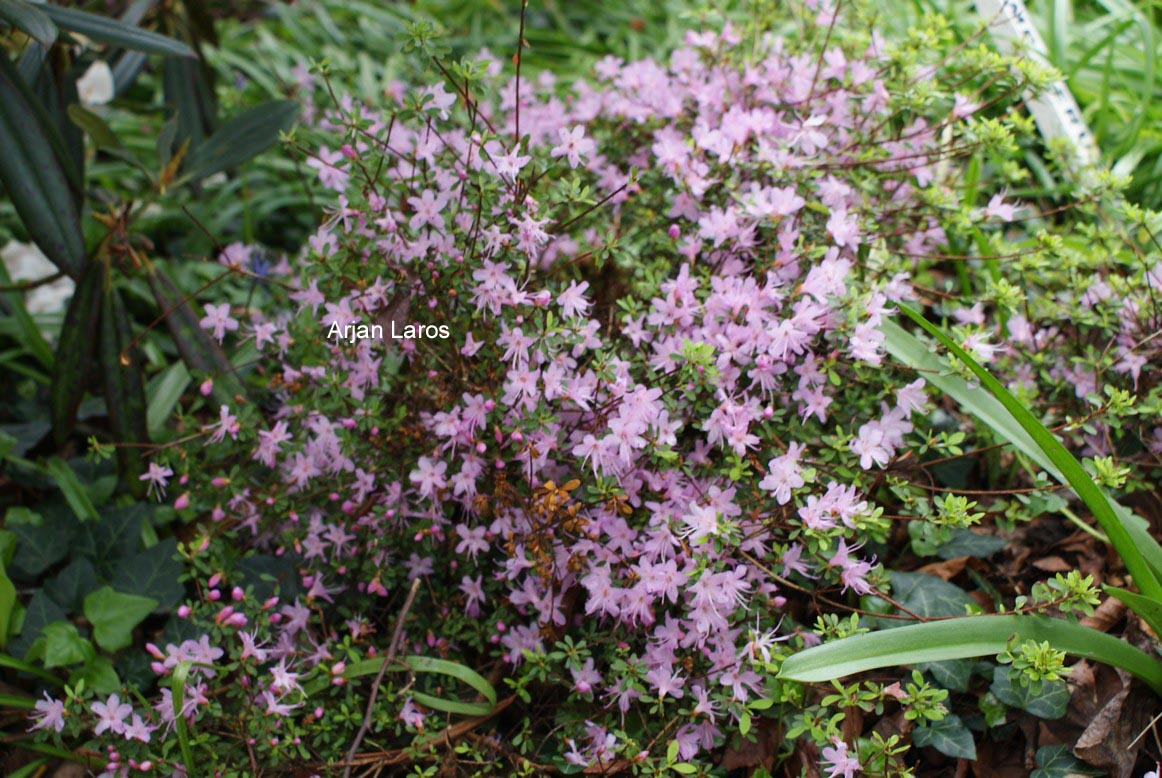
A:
{"x": 664, "y": 394}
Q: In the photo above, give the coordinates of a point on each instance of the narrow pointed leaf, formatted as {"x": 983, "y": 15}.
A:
{"x": 1066, "y": 467}
{"x": 114, "y": 32}
{"x": 242, "y": 137}
{"x": 963, "y": 638}
{"x": 1150, "y": 611}
{"x": 29, "y": 333}
{"x": 124, "y": 389}
{"x": 34, "y": 176}
{"x": 7, "y": 603}
{"x": 74, "y": 351}
{"x": 72, "y": 488}
{"x": 27, "y": 18}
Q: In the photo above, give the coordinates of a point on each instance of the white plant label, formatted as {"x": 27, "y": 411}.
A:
{"x": 1055, "y": 110}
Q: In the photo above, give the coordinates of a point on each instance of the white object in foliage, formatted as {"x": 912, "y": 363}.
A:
{"x": 1055, "y": 110}
{"x": 26, "y": 262}
{"x": 95, "y": 87}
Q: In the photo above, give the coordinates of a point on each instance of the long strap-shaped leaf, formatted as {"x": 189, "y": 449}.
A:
{"x": 74, "y": 350}
{"x": 33, "y": 175}
{"x": 124, "y": 389}
{"x": 1070, "y": 470}
{"x": 963, "y": 638}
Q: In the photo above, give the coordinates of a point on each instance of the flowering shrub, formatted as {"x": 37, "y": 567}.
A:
{"x": 601, "y": 365}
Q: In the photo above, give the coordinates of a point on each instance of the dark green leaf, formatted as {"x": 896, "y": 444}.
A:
{"x": 124, "y": 390}
{"x": 113, "y": 32}
{"x": 1057, "y": 762}
{"x": 949, "y": 736}
{"x": 74, "y": 350}
{"x": 41, "y": 545}
{"x": 1049, "y": 702}
{"x": 965, "y": 542}
{"x": 927, "y": 595}
{"x": 242, "y": 137}
{"x": 25, "y": 435}
{"x": 25, "y": 17}
{"x": 153, "y": 572}
{"x": 188, "y": 93}
{"x": 34, "y": 175}
{"x": 41, "y": 612}
{"x": 113, "y": 539}
{"x": 951, "y": 674}
{"x": 114, "y": 615}
{"x": 69, "y": 587}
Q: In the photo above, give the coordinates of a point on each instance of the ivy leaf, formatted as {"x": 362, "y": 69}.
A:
{"x": 1049, "y": 703}
{"x": 41, "y": 544}
{"x": 965, "y": 542}
{"x": 1057, "y": 762}
{"x": 114, "y": 615}
{"x": 949, "y": 736}
{"x": 952, "y": 674}
{"x": 41, "y": 612}
{"x": 153, "y": 572}
{"x": 114, "y": 538}
{"x": 926, "y": 595}
{"x": 64, "y": 646}
{"x": 69, "y": 587}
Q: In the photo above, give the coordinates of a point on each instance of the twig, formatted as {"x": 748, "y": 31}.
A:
{"x": 392, "y": 648}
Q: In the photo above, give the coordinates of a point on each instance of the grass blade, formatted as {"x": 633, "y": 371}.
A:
{"x": 964, "y": 638}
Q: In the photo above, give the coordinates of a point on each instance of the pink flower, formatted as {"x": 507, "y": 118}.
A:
{"x": 999, "y": 209}
{"x": 49, "y": 714}
{"x": 574, "y": 145}
{"x": 111, "y": 715}
{"x": 572, "y": 300}
{"x": 840, "y": 763}
{"x": 218, "y": 319}
{"x": 158, "y": 476}
{"x": 785, "y": 474}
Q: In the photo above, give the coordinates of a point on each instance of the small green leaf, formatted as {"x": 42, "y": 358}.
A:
{"x": 965, "y": 542}
{"x": 949, "y": 736}
{"x": 114, "y": 615}
{"x": 114, "y": 32}
{"x": 25, "y": 17}
{"x": 243, "y": 137}
{"x": 685, "y": 768}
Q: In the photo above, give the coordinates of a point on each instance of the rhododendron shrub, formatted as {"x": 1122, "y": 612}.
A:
{"x": 663, "y": 428}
